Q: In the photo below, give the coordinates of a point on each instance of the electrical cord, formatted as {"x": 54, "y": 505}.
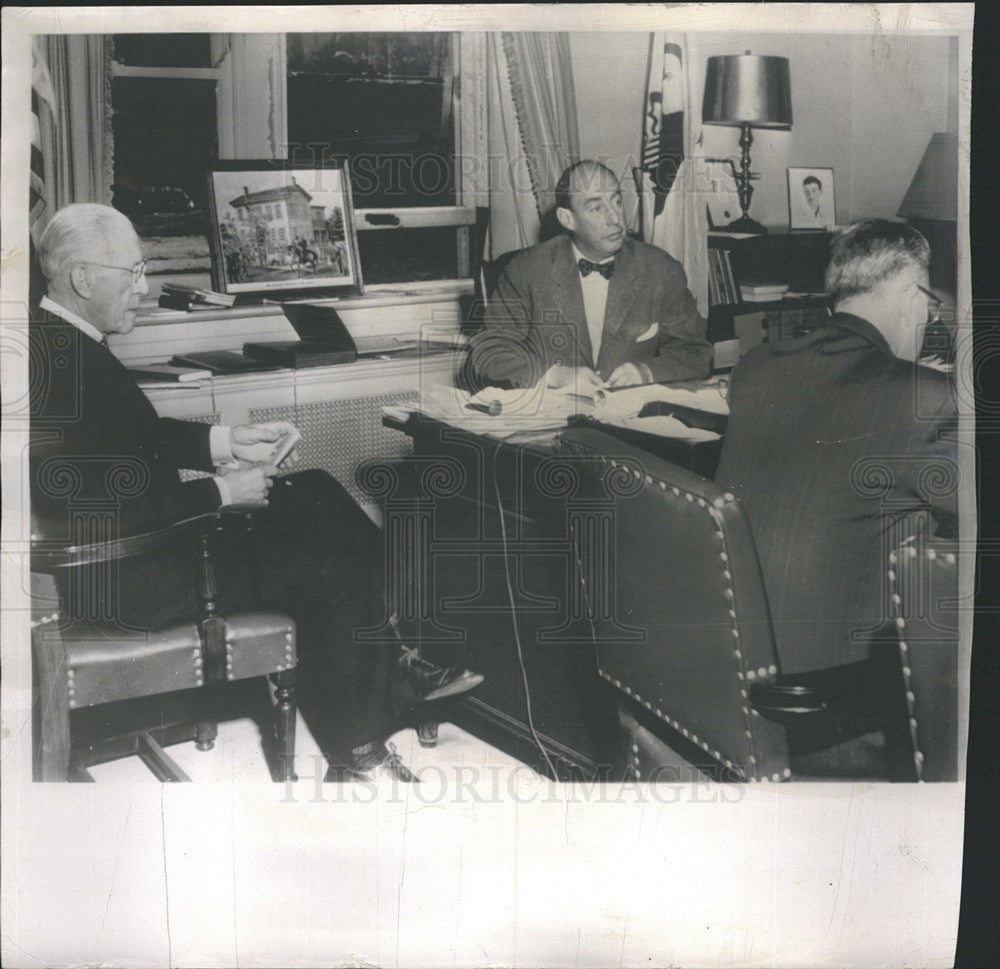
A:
{"x": 513, "y": 618}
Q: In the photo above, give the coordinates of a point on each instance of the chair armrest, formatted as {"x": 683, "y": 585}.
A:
{"x": 853, "y": 696}
{"x": 50, "y": 557}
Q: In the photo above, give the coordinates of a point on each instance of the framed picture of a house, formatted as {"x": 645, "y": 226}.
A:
{"x": 278, "y": 228}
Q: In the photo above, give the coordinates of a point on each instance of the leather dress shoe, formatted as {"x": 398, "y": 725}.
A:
{"x": 385, "y": 757}
{"x": 430, "y": 682}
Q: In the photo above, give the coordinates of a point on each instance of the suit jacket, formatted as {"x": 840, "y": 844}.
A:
{"x": 836, "y": 449}
{"x": 536, "y": 318}
{"x": 97, "y": 442}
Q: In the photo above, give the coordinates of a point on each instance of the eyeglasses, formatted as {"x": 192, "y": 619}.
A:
{"x": 137, "y": 271}
{"x": 935, "y": 302}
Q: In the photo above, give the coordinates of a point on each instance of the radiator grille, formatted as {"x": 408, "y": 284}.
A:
{"x": 338, "y": 435}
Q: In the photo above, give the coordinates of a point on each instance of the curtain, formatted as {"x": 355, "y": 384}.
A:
{"x": 533, "y": 127}
{"x": 674, "y": 213}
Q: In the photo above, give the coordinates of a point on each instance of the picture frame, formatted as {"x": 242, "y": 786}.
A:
{"x": 811, "y": 199}
{"x": 281, "y": 229}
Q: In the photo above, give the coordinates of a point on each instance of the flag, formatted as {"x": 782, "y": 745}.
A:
{"x": 41, "y": 95}
{"x": 674, "y": 215}
{"x": 663, "y": 119}
{"x": 43, "y": 103}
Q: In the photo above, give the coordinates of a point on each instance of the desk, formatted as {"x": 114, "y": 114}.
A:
{"x": 443, "y": 523}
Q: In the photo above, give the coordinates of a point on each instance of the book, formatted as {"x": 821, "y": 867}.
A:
{"x": 763, "y": 292}
{"x": 200, "y": 295}
{"x": 735, "y": 296}
{"x": 181, "y": 301}
{"x": 165, "y": 372}
{"x": 220, "y": 362}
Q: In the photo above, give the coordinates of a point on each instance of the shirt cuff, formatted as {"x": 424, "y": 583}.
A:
{"x": 220, "y": 445}
{"x": 225, "y": 495}
{"x": 647, "y": 374}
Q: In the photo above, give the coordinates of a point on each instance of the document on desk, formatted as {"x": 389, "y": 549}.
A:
{"x": 706, "y": 395}
{"x": 663, "y": 425}
{"x": 502, "y": 414}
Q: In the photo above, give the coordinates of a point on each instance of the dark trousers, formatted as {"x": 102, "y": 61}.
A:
{"x": 316, "y": 556}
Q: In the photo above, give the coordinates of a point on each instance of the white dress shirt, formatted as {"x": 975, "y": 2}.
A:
{"x": 595, "y": 301}
{"x": 218, "y": 434}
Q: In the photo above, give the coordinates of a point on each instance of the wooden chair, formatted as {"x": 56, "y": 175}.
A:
{"x": 84, "y": 659}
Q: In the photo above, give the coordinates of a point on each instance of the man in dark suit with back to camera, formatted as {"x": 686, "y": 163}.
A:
{"x": 624, "y": 305}
{"x": 839, "y": 442}
{"x": 317, "y": 556}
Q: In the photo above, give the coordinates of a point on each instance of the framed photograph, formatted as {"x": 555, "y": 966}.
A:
{"x": 810, "y": 198}
{"x": 282, "y": 228}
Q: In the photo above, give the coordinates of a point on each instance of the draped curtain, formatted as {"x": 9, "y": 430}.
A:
{"x": 534, "y": 129}
{"x": 674, "y": 215}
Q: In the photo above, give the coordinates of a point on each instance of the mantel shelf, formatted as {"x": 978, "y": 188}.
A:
{"x": 411, "y": 295}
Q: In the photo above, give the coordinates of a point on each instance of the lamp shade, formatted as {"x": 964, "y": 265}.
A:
{"x": 933, "y": 193}
{"x": 747, "y": 89}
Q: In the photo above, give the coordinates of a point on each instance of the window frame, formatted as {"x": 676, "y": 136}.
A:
{"x": 249, "y": 126}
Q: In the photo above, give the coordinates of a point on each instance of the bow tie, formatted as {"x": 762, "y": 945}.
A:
{"x": 606, "y": 269}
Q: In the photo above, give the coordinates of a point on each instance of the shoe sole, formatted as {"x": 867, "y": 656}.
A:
{"x": 462, "y": 685}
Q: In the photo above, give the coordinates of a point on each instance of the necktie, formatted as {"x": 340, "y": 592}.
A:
{"x": 606, "y": 269}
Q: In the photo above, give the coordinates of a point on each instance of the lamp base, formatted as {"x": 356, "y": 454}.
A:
{"x": 746, "y": 224}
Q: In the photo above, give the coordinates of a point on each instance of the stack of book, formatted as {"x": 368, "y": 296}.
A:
{"x": 176, "y": 296}
{"x": 763, "y": 292}
{"x": 722, "y": 288}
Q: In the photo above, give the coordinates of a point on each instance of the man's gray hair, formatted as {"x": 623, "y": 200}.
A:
{"x": 868, "y": 253}
{"x": 75, "y": 232}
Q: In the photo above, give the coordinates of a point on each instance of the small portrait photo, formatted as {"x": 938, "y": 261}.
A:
{"x": 810, "y": 198}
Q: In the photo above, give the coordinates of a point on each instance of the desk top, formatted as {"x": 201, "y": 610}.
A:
{"x": 690, "y": 413}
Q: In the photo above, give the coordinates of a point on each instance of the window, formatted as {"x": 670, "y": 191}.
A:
{"x": 386, "y": 100}
{"x": 163, "y": 95}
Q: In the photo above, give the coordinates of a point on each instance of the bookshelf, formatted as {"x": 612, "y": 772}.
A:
{"x": 796, "y": 258}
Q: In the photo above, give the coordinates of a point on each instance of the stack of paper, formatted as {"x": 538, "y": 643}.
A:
{"x": 531, "y": 410}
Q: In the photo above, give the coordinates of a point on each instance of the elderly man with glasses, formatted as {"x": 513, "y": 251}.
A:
{"x": 318, "y": 556}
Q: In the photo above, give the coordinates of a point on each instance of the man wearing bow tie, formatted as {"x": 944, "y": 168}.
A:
{"x": 593, "y": 306}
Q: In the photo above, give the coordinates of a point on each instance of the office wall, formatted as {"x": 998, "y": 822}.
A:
{"x": 864, "y": 105}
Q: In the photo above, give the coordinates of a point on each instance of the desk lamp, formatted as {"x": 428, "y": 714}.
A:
{"x": 747, "y": 91}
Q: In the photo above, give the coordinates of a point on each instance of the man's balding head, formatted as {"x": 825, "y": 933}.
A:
{"x": 87, "y": 253}
{"x": 589, "y": 207}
